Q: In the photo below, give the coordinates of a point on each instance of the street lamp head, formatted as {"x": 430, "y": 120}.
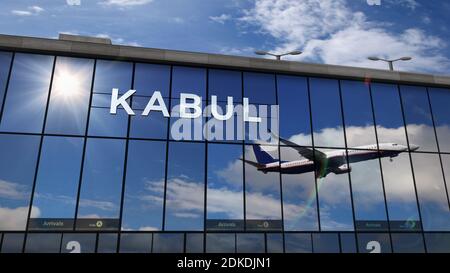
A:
{"x": 372, "y": 58}
{"x": 261, "y": 52}
{"x": 406, "y": 58}
{"x": 295, "y": 52}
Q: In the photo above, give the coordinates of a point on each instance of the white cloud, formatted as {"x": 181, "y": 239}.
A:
{"x": 411, "y": 4}
{"x": 16, "y": 218}
{"x": 73, "y": 2}
{"x": 117, "y": 40}
{"x": 221, "y": 19}
{"x": 31, "y": 10}
{"x": 126, "y": 3}
{"x": 329, "y": 31}
{"x": 12, "y": 190}
{"x": 101, "y": 205}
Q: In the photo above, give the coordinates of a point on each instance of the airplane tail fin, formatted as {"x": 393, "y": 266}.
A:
{"x": 261, "y": 156}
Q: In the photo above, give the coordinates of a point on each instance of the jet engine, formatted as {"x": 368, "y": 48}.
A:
{"x": 344, "y": 168}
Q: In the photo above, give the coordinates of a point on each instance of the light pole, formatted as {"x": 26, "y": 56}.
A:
{"x": 278, "y": 56}
{"x": 391, "y": 62}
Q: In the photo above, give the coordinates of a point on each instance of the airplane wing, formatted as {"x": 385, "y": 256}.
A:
{"x": 306, "y": 152}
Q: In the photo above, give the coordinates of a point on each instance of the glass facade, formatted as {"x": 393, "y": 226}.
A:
{"x": 359, "y": 166}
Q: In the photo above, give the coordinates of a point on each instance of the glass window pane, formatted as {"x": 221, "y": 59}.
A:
{"x": 431, "y": 192}
{"x": 259, "y": 88}
{"x": 220, "y": 243}
{"x": 18, "y": 162}
{"x": 325, "y": 243}
{"x": 152, "y": 126}
{"x": 185, "y": 128}
{"x": 112, "y": 74}
{"x": 263, "y": 201}
{"x": 69, "y": 97}
{"x": 27, "y": 93}
{"x": 168, "y": 243}
{"x": 224, "y": 83}
{"x": 5, "y": 63}
{"x": 419, "y": 123}
{"x": 149, "y": 78}
{"x": 101, "y": 185}
{"x": 400, "y": 193}
{"x": 225, "y": 198}
{"x": 388, "y": 114}
{"x": 56, "y": 189}
{"x": 436, "y": 242}
{"x": 293, "y": 100}
{"x": 367, "y": 187}
{"x": 274, "y": 242}
{"x": 135, "y": 243}
{"x": 299, "y": 194}
{"x": 358, "y": 117}
{"x": 335, "y": 204}
{"x": 78, "y": 243}
{"x": 144, "y": 186}
{"x": 440, "y": 100}
{"x": 185, "y": 186}
{"x": 250, "y": 243}
{"x": 326, "y": 113}
{"x": 12, "y": 242}
{"x": 407, "y": 243}
{"x": 298, "y": 243}
{"x": 374, "y": 243}
{"x": 188, "y": 80}
{"x": 194, "y": 242}
{"x": 348, "y": 243}
{"x": 102, "y": 123}
{"x": 107, "y": 243}
{"x": 43, "y": 243}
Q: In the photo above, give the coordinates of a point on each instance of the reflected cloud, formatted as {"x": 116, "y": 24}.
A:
{"x": 102, "y": 205}
{"x": 11, "y": 190}
{"x": 16, "y": 218}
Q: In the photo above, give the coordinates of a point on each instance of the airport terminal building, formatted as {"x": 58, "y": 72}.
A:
{"x": 360, "y": 161}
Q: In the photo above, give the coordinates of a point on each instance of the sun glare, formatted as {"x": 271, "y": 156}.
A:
{"x": 67, "y": 85}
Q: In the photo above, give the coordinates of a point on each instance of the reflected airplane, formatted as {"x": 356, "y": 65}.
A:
{"x": 326, "y": 162}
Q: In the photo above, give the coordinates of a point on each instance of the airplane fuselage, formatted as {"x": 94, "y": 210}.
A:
{"x": 336, "y": 161}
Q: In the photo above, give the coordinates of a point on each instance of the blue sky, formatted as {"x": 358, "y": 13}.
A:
{"x": 328, "y": 31}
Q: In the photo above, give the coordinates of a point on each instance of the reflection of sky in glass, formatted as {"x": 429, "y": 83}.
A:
{"x": 440, "y": 101}
{"x": 69, "y": 99}
{"x": 224, "y": 83}
{"x": 399, "y": 187}
{"x": 5, "y": 61}
{"x": 144, "y": 186}
{"x": 18, "y": 162}
{"x": 112, "y": 74}
{"x": 152, "y": 126}
{"x": 27, "y": 93}
{"x": 225, "y": 198}
{"x": 294, "y": 109}
{"x": 357, "y": 113}
{"x": 418, "y": 118}
{"x": 101, "y": 185}
{"x": 185, "y": 186}
{"x": 259, "y": 88}
{"x": 299, "y": 196}
{"x": 188, "y": 80}
{"x": 326, "y": 113}
{"x": 149, "y": 78}
{"x": 388, "y": 113}
{"x": 58, "y": 177}
{"x": 263, "y": 199}
{"x": 433, "y": 200}
{"x": 368, "y": 196}
{"x": 335, "y": 203}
